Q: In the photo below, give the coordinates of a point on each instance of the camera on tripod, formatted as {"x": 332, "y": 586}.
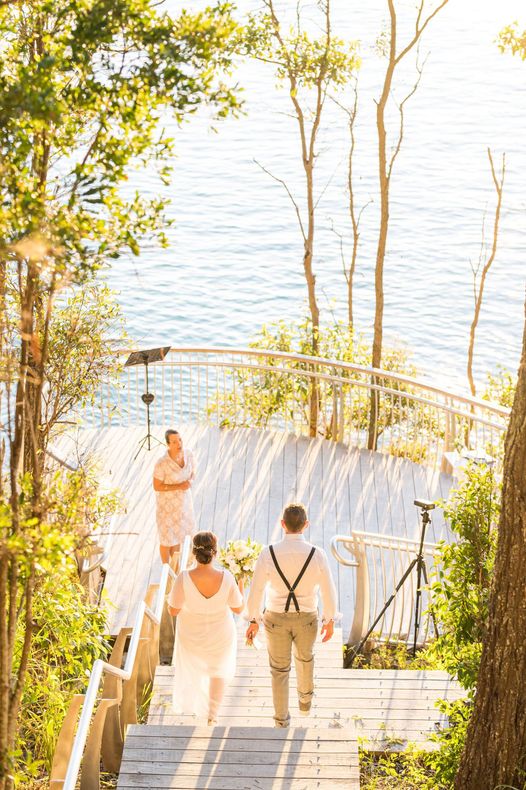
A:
{"x": 419, "y": 563}
{"x": 425, "y": 504}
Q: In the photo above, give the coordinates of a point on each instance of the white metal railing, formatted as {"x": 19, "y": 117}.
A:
{"x": 268, "y": 389}
{"x": 380, "y": 562}
{"x": 100, "y": 667}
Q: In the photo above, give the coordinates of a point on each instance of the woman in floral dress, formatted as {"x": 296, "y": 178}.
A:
{"x": 172, "y": 482}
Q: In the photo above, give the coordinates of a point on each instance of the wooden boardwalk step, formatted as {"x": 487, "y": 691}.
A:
{"x": 380, "y": 706}
{"x": 238, "y": 758}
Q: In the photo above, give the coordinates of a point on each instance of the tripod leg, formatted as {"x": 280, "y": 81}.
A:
{"x": 386, "y": 606}
{"x": 431, "y": 612}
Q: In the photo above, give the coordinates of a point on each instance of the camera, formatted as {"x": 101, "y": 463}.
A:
{"x": 425, "y": 504}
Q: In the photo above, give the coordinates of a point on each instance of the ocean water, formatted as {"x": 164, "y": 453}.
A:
{"x": 235, "y": 255}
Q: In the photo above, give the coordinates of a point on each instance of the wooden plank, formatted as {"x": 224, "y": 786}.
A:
{"x": 275, "y": 496}
{"x": 384, "y": 519}
{"x": 368, "y": 493}
{"x": 234, "y": 527}
{"x": 290, "y": 470}
{"x": 208, "y": 473}
{"x": 395, "y": 494}
{"x": 298, "y": 770}
{"x": 226, "y": 756}
{"x": 236, "y": 748}
{"x": 248, "y": 495}
{"x": 314, "y": 503}
{"x": 264, "y": 460}
{"x": 219, "y": 731}
{"x": 212, "y": 783}
{"x": 219, "y": 523}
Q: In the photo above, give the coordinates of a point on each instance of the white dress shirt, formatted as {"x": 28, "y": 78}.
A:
{"x": 291, "y": 554}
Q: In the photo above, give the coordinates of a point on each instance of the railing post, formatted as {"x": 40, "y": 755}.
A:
{"x": 362, "y": 602}
{"x": 372, "y": 436}
{"x": 314, "y": 403}
{"x": 65, "y": 743}
{"x": 90, "y": 771}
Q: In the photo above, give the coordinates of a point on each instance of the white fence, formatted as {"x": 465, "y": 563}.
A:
{"x": 304, "y": 395}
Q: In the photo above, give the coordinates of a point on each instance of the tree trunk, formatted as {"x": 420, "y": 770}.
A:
{"x": 496, "y": 741}
{"x": 384, "y": 180}
{"x": 313, "y": 304}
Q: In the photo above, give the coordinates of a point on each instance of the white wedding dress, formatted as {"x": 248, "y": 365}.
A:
{"x": 205, "y": 642}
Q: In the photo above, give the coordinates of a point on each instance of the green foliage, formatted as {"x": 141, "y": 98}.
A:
{"x": 391, "y": 655}
{"x": 298, "y": 57}
{"x": 84, "y": 87}
{"x": 450, "y": 740}
{"x": 67, "y": 632}
{"x": 501, "y": 387}
{"x": 461, "y": 591}
{"x": 400, "y": 770}
{"x": 261, "y": 398}
{"x": 512, "y": 39}
{"x": 67, "y": 639}
{"x": 85, "y": 329}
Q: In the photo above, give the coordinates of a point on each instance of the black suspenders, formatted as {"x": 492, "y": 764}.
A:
{"x": 292, "y": 595}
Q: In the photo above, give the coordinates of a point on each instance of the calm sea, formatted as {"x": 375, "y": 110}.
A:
{"x": 235, "y": 256}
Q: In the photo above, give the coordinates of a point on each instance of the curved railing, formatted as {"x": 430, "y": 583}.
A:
{"x": 107, "y": 712}
{"x": 380, "y": 561}
{"x": 304, "y": 395}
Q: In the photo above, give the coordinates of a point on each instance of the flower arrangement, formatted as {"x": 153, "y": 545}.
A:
{"x": 239, "y": 557}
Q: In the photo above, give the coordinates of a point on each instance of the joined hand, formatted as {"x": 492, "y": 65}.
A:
{"x": 252, "y": 630}
{"x": 327, "y": 630}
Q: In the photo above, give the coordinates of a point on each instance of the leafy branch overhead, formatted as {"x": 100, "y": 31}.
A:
{"x": 84, "y": 92}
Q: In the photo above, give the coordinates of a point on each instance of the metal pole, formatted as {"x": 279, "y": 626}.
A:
{"x": 419, "y": 563}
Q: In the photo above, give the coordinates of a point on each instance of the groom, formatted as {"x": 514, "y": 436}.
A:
{"x": 290, "y": 573}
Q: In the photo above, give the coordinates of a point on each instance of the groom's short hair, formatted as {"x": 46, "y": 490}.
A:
{"x": 295, "y": 517}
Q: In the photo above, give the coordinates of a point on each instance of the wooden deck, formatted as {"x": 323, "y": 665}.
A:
{"x": 238, "y": 758}
{"x": 244, "y": 478}
{"x": 385, "y": 709}
{"x": 379, "y": 706}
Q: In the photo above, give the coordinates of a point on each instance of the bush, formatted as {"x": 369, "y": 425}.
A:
{"x": 68, "y": 637}
{"x": 460, "y": 596}
{"x": 272, "y": 396}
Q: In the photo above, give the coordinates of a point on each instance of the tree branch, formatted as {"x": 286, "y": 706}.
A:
{"x": 289, "y": 193}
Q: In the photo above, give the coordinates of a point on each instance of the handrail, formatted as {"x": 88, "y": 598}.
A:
{"x": 58, "y": 458}
{"x": 363, "y": 384}
{"x": 379, "y": 539}
{"x": 125, "y": 673}
{"x": 352, "y": 404}
{"x": 363, "y": 369}
{"x": 105, "y": 550}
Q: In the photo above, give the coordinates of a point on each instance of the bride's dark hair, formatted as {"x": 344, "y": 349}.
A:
{"x": 205, "y": 547}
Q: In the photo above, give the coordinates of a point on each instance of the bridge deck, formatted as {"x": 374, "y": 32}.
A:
{"x": 244, "y": 478}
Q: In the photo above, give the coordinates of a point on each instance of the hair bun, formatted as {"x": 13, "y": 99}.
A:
{"x": 205, "y": 547}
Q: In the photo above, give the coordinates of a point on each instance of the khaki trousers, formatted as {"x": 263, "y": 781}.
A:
{"x": 290, "y": 633}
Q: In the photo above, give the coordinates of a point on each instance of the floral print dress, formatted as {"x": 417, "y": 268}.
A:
{"x": 175, "y": 509}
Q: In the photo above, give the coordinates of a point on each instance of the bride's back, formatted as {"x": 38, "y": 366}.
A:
{"x": 207, "y": 579}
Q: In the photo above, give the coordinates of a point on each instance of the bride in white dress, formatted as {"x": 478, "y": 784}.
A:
{"x": 203, "y": 599}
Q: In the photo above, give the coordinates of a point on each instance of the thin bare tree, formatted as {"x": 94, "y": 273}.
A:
{"x": 355, "y": 214}
{"x": 387, "y": 156}
{"x": 309, "y": 67}
{"x": 481, "y": 269}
